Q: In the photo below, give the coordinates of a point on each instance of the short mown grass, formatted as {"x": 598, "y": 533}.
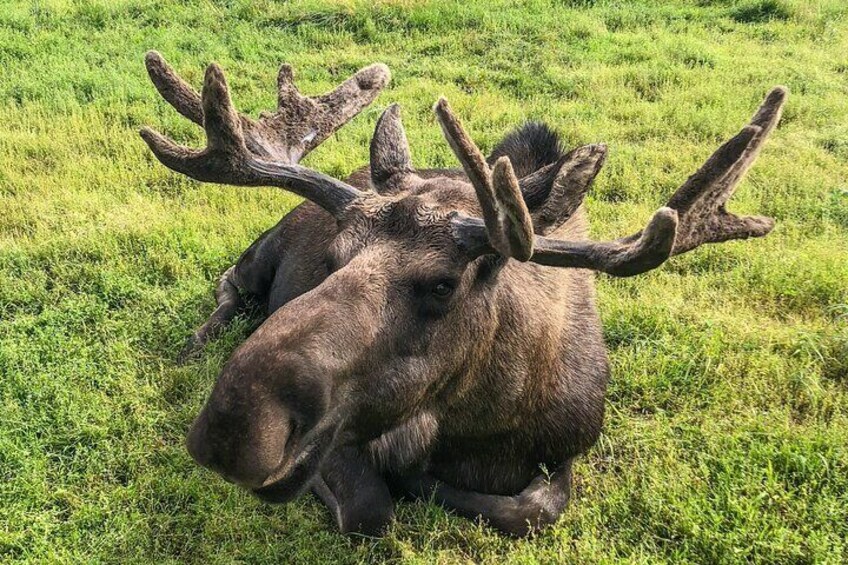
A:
{"x": 726, "y": 437}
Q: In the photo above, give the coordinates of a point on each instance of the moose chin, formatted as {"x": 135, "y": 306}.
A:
{"x": 429, "y": 333}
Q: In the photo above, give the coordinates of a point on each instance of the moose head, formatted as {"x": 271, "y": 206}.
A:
{"x": 441, "y": 301}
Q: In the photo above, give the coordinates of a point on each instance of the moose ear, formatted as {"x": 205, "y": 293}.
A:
{"x": 554, "y": 192}
{"x": 390, "y": 158}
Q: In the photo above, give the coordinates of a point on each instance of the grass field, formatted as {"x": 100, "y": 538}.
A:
{"x": 726, "y": 438}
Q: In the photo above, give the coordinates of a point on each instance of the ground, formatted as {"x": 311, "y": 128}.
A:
{"x": 727, "y": 416}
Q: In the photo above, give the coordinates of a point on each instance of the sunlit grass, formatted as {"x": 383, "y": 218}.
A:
{"x": 727, "y": 418}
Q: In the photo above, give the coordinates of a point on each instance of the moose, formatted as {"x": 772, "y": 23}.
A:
{"x": 429, "y": 333}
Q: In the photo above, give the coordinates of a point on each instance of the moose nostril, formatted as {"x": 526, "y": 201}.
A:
{"x": 245, "y": 446}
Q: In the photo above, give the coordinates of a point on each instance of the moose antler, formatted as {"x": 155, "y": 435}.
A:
{"x": 244, "y": 152}
{"x": 300, "y": 122}
{"x": 694, "y": 215}
{"x": 701, "y": 200}
{"x": 507, "y": 227}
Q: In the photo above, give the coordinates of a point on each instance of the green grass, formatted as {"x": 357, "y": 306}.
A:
{"x": 727, "y": 431}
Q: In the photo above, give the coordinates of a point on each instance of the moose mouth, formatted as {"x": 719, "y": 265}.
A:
{"x": 295, "y": 473}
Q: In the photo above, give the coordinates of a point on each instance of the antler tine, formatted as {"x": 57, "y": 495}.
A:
{"x": 706, "y": 182}
{"x": 469, "y": 155}
{"x": 349, "y": 98}
{"x": 515, "y": 229}
{"x": 472, "y": 161}
{"x": 175, "y": 90}
{"x": 766, "y": 118}
{"x": 390, "y": 157}
{"x": 174, "y": 156}
{"x": 287, "y": 92}
{"x": 220, "y": 119}
{"x": 572, "y": 177}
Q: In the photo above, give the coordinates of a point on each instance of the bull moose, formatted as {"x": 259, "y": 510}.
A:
{"x": 429, "y": 333}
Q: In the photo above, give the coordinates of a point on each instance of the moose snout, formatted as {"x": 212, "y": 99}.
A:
{"x": 242, "y": 452}
{"x": 266, "y": 425}
{"x": 254, "y": 423}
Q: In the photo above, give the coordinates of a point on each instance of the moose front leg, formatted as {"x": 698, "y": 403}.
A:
{"x": 537, "y": 506}
{"x": 354, "y": 493}
{"x": 229, "y": 301}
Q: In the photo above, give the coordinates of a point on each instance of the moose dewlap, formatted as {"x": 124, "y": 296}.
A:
{"x": 429, "y": 333}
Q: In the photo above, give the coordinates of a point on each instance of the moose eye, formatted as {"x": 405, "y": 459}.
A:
{"x": 433, "y": 297}
{"x": 442, "y": 289}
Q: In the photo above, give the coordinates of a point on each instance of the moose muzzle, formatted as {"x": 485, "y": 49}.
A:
{"x": 279, "y": 403}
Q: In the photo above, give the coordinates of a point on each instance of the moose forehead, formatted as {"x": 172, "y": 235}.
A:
{"x": 417, "y": 217}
